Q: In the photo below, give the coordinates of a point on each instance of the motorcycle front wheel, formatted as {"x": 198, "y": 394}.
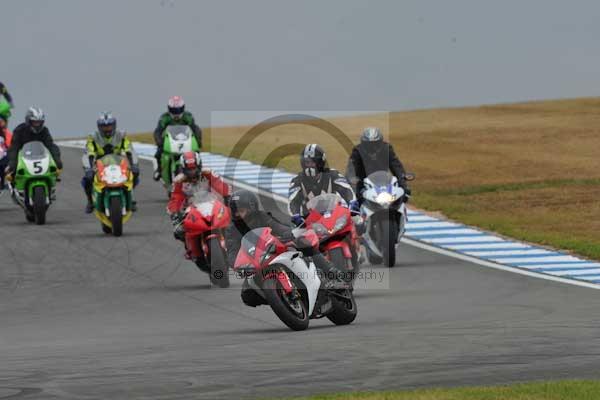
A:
{"x": 292, "y": 312}
{"x": 218, "y": 266}
{"x": 344, "y": 308}
{"x": 39, "y": 205}
{"x": 388, "y": 239}
{"x": 116, "y": 217}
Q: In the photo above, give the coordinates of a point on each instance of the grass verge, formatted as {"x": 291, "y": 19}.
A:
{"x": 560, "y": 390}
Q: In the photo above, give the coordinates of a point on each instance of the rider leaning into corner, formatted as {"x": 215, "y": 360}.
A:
{"x": 106, "y": 140}
{"x": 246, "y": 216}
{"x": 175, "y": 115}
{"x": 373, "y": 154}
{"x": 191, "y": 178}
{"x": 33, "y": 129}
{"x": 5, "y": 141}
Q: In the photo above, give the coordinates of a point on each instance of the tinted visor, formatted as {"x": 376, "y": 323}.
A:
{"x": 309, "y": 163}
{"x": 107, "y": 130}
{"x": 191, "y": 173}
{"x": 176, "y": 111}
{"x": 36, "y": 125}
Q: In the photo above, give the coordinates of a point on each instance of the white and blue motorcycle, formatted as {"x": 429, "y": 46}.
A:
{"x": 384, "y": 212}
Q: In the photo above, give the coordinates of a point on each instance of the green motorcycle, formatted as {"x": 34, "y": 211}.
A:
{"x": 177, "y": 140}
{"x": 34, "y": 181}
{"x": 5, "y": 108}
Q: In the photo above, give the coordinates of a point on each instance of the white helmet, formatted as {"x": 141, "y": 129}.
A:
{"x": 176, "y": 106}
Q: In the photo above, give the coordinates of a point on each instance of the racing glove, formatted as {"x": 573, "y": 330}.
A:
{"x": 297, "y": 219}
{"x": 108, "y": 148}
{"x": 177, "y": 217}
{"x": 135, "y": 170}
{"x": 354, "y": 207}
{"x": 89, "y": 174}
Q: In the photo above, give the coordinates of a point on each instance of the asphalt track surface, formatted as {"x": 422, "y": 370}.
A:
{"x": 89, "y": 316}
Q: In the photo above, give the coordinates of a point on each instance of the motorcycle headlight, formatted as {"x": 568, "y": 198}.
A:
{"x": 320, "y": 229}
{"x": 206, "y": 208}
{"x": 246, "y": 270}
{"x": 340, "y": 223}
{"x": 385, "y": 198}
{"x": 113, "y": 175}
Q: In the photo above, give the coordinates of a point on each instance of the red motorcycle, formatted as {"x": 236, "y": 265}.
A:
{"x": 205, "y": 222}
{"x": 278, "y": 274}
{"x": 332, "y": 222}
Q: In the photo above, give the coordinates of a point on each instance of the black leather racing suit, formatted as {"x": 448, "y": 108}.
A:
{"x": 22, "y": 135}
{"x": 303, "y": 188}
{"x": 367, "y": 158}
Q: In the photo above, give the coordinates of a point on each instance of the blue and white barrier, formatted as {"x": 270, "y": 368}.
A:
{"x": 422, "y": 230}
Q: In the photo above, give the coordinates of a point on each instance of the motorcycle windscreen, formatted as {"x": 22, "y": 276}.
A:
{"x": 204, "y": 195}
{"x": 324, "y": 203}
{"x": 113, "y": 159}
{"x": 252, "y": 243}
{"x": 179, "y": 132}
{"x": 381, "y": 179}
{"x": 34, "y": 151}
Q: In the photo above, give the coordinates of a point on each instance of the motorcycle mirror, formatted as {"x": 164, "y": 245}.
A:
{"x": 409, "y": 176}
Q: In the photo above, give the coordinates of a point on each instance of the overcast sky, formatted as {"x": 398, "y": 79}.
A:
{"x": 75, "y": 58}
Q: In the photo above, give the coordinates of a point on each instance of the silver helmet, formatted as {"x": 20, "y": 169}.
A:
{"x": 35, "y": 118}
{"x": 371, "y": 134}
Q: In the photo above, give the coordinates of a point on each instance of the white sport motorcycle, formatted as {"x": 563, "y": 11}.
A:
{"x": 278, "y": 274}
{"x": 384, "y": 213}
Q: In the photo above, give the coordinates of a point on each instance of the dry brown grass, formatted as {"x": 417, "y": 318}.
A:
{"x": 529, "y": 170}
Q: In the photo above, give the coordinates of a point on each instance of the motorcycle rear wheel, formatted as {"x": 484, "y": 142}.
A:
{"x": 344, "y": 310}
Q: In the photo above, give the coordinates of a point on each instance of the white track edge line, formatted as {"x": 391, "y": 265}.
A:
{"x": 501, "y": 267}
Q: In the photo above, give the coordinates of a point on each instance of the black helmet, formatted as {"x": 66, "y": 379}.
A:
{"x": 313, "y": 160}
{"x": 243, "y": 199}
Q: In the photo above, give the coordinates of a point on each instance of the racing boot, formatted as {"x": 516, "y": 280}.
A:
{"x": 133, "y": 202}
{"x": 331, "y": 277}
{"x": 89, "y": 207}
{"x": 156, "y": 175}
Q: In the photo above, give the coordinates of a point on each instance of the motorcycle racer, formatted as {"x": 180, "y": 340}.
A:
{"x": 175, "y": 115}
{"x": 191, "y": 178}
{"x": 374, "y": 154}
{"x": 5, "y": 142}
{"x": 4, "y": 92}
{"x": 247, "y": 216}
{"x": 106, "y": 140}
{"x": 33, "y": 129}
{"x": 316, "y": 178}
